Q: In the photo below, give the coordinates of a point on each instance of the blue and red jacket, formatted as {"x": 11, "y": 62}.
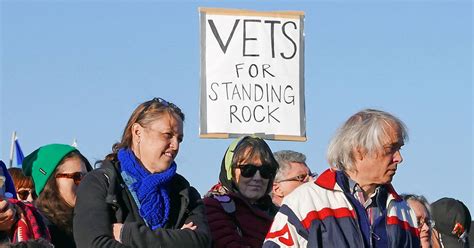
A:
{"x": 325, "y": 214}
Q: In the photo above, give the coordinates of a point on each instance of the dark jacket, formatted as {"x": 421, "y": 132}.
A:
{"x": 93, "y": 217}
{"x": 60, "y": 237}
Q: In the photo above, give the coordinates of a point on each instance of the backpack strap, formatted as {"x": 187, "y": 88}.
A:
{"x": 228, "y": 205}
{"x": 113, "y": 186}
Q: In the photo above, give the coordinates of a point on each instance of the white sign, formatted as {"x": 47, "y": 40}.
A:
{"x": 252, "y": 74}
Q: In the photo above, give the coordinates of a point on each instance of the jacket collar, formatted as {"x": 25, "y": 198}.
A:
{"x": 329, "y": 180}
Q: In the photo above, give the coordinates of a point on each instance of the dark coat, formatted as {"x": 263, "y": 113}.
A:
{"x": 93, "y": 217}
{"x": 60, "y": 237}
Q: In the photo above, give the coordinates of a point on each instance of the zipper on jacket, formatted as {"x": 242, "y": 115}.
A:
{"x": 373, "y": 235}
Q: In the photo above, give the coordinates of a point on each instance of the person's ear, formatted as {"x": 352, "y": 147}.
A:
{"x": 137, "y": 131}
{"x": 359, "y": 153}
{"x": 276, "y": 190}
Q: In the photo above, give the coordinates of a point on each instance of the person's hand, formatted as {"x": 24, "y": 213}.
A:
{"x": 189, "y": 225}
{"x": 117, "y": 228}
{"x": 7, "y": 215}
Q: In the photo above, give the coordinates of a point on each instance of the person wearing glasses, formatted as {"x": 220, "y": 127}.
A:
{"x": 57, "y": 170}
{"x": 352, "y": 204}
{"x": 421, "y": 207}
{"x": 292, "y": 172}
{"x": 136, "y": 198}
{"x": 238, "y": 208}
{"x": 24, "y": 185}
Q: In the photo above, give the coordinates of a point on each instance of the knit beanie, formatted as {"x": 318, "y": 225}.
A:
{"x": 41, "y": 163}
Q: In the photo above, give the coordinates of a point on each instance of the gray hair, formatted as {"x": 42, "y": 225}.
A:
{"x": 284, "y": 158}
{"x": 363, "y": 130}
{"x": 419, "y": 198}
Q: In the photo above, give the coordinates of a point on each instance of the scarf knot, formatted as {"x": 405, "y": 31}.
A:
{"x": 151, "y": 188}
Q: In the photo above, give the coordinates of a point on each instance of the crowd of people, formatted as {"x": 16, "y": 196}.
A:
{"x": 136, "y": 198}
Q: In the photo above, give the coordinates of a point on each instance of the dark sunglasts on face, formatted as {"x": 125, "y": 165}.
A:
{"x": 76, "y": 176}
{"x": 24, "y": 193}
{"x": 249, "y": 170}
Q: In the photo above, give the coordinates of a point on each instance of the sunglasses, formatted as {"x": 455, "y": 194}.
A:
{"x": 162, "y": 102}
{"x": 300, "y": 178}
{"x": 24, "y": 193}
{"x": 249, "y": 170}
{"x": 76, "y": 176}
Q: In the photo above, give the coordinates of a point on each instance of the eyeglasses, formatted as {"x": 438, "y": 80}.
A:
{"x": 163, "y": 102}
{"x": 76, "y": 176}
{"x": 24, "y": 193}
{"x": 422, "y": 221}
{"x": 300, "y": 178}
{"x": 249, "y": 170}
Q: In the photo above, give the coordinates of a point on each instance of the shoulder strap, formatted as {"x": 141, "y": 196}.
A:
{"x": 228, "y": 204}
{"x": 110, "y": 172}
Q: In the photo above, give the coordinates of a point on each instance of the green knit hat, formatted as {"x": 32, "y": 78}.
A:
{"x": 41, "y": 163}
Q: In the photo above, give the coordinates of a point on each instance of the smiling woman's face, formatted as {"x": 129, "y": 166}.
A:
{"x": 157, "y": 144}
{"x": 251, "y": 188}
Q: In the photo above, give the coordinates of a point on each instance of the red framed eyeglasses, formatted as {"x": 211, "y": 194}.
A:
{"x": 76, "y": 176}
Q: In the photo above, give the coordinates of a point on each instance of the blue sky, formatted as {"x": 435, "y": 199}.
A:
{"x": 77, "y": 69}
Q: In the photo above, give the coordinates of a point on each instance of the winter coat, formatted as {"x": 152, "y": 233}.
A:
{"x": 93, "y": 216}
{"x": 324, "y": 214}
{"x": 235, "y": 223}
{"x": 60, "y": 237}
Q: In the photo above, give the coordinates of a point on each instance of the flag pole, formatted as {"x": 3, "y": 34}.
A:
{"x": 12, "y": 147}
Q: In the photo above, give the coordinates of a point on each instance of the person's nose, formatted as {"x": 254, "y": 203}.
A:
{"x": 425, "y": 227}
{"x": 398, "y": 157}
{"x": 257, "y": 176}
{"x": 174, "y": 144}
{"x": 30, "y": 197}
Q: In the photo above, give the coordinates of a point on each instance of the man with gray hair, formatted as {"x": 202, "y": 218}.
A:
{"x": 352, "y": 204}
{"x": 291, "y": 173}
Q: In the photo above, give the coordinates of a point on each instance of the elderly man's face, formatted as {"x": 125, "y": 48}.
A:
{"x": 380, "y": 167}
{"x": 297, "y": 175}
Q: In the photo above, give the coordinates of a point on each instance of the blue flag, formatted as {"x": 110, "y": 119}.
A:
{"x": 19, "y": 153}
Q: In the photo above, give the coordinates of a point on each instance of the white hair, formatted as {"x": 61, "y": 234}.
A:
{"x": 284, "y": 158}
{"x": 365, "y": 131}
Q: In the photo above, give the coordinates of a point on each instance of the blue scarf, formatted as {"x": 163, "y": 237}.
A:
{"x": 151, "y": 189}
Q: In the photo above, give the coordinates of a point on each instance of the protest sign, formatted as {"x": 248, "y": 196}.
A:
{"x": 252, "y": 74}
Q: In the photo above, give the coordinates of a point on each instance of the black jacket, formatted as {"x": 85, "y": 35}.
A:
{"x": 60, "y": 238}
{"x": 93, "y": 217}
